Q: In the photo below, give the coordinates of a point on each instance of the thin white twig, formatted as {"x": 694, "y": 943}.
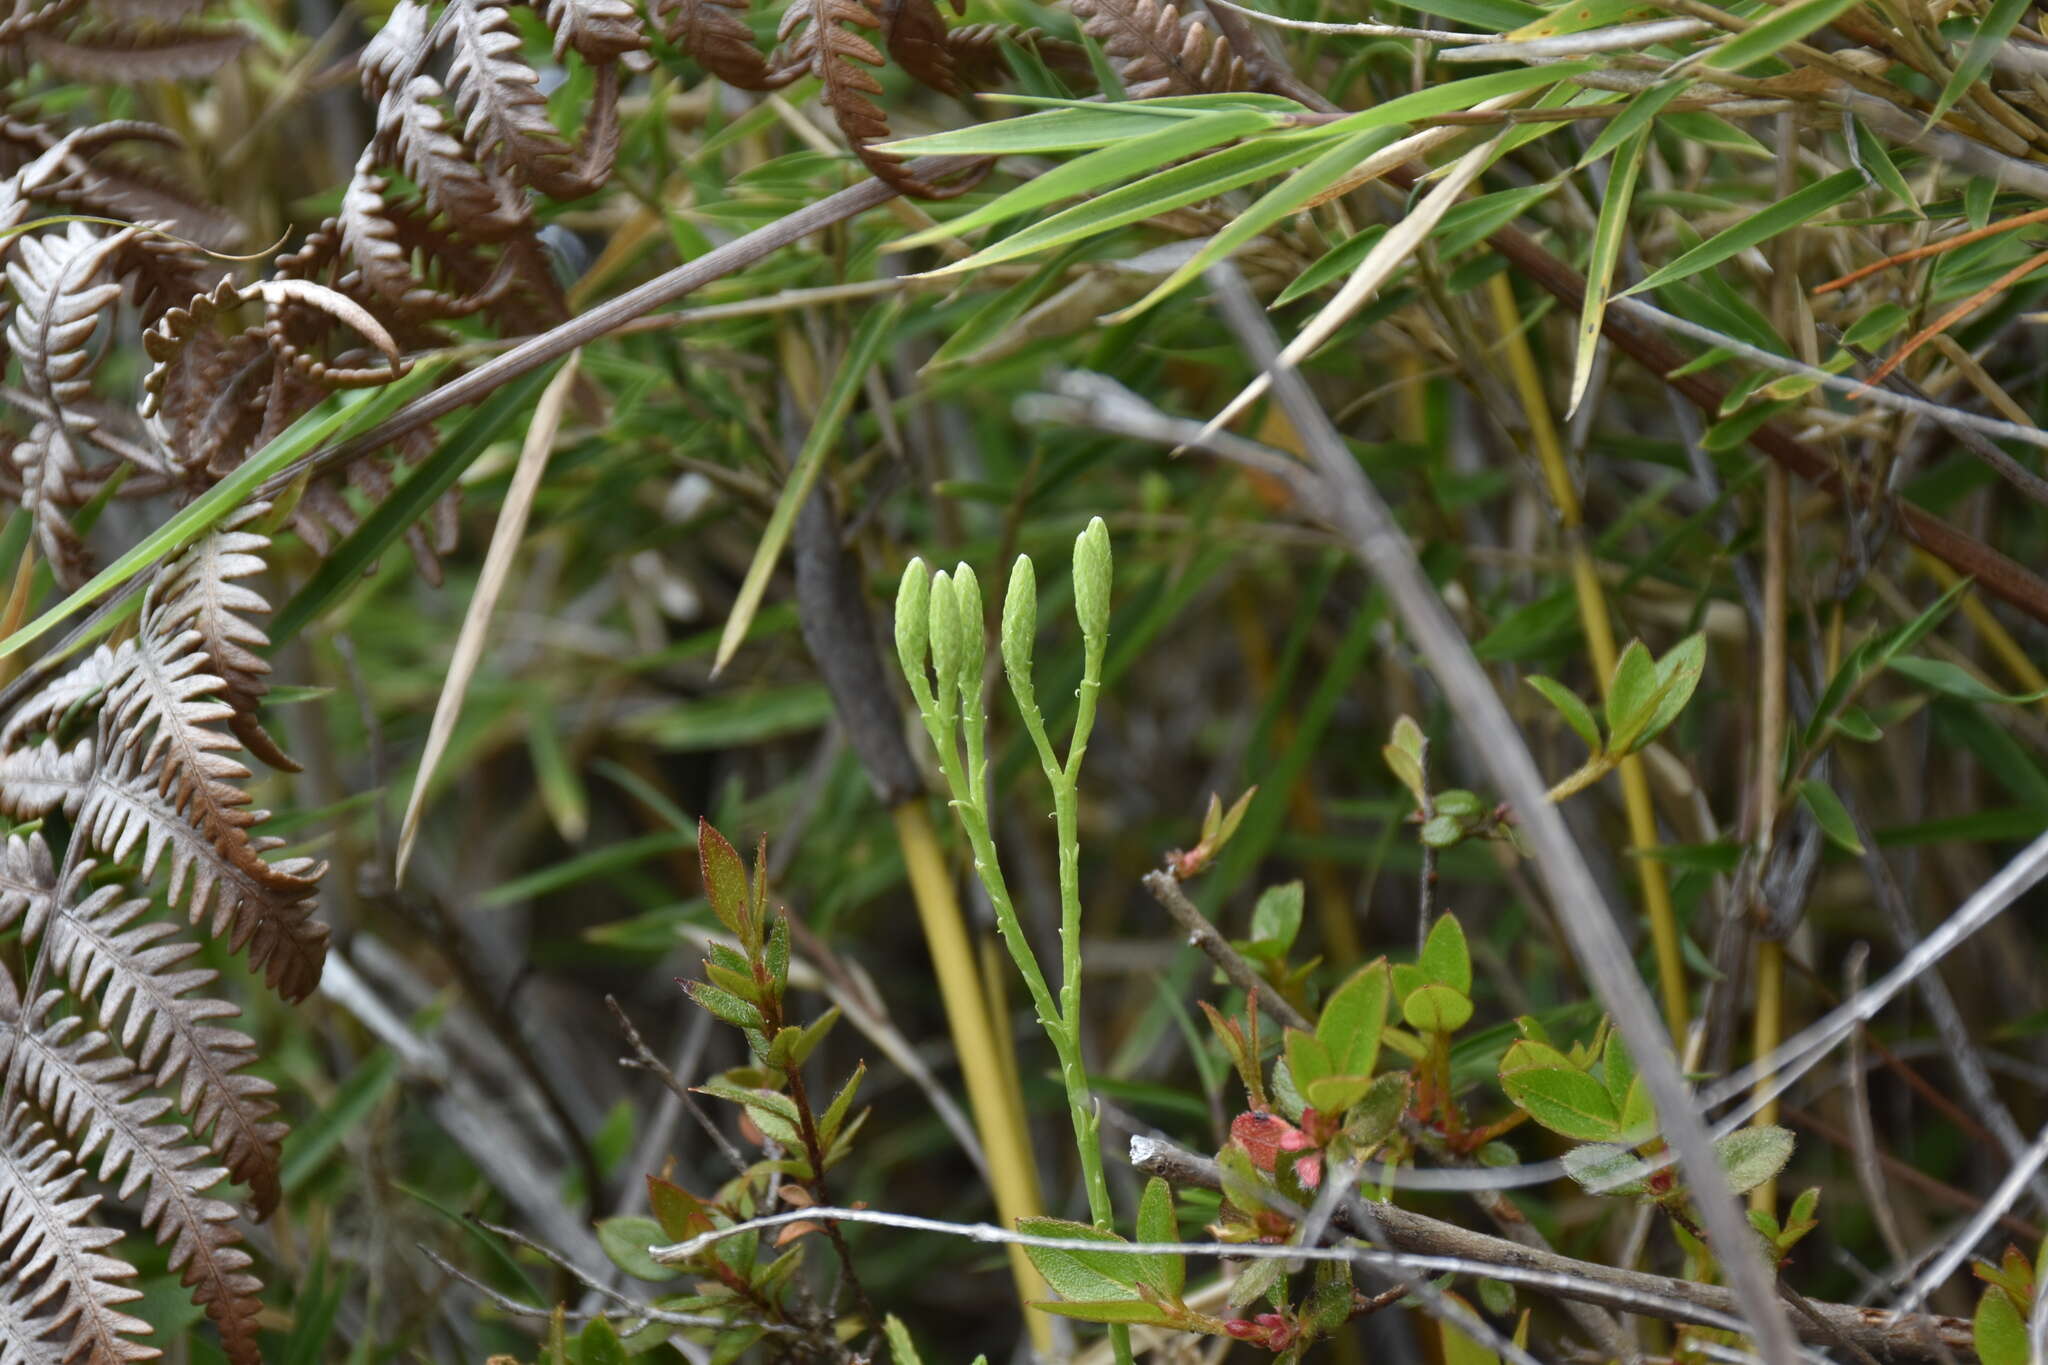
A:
{"x": 1621, "y": 38}
{"x": 1964, "y": 1242}
{"x": 1644, "y": 312}
{"x": 1411, "y": 1262}
{"x": 1430, "y": 35}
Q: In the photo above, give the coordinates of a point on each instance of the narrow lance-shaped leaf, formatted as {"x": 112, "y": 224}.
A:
{"x": 1608, "y": 234}
{"x": 1122, "y": 160}
{"x": 1782, "y": 216}
{"x": 826, "y": 429}
{"x": 1832, "y": 815}
{"x": 1290, "y": 196}
{"x": 1990, "y": 35}
{"x": 1786, "y": 25}
{"x": 1634, "y": 119}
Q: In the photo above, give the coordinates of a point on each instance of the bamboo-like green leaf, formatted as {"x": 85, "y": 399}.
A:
{"x": 1078, "y": 128}
{"x": 1462, "y": 226}
{"x": 1137, "y": 1312}
{"x": 824, "y": 434}
{"x": 1833, "y": 816}
{"x": 1575, "y": 711}
{"x": 1787, "y": 25}
{"x": 1496, "y": 16}
{"x": 1634, "y": 119}
{"x": 1608, "y": 234}
{"x": 1188, "y": 183}
{"x": 1782, "y": 216}
{"x": 1938, "y": 675}
{"x": 351, "y": 412}
{"x": 1124, "y": 159}
{"x": 1454, "y": 97}
{"x": 1577, "y": 18}
{"x": 1991, "y": 34}
{"x": 1285, "y": 198}
{"x": 1156, "y": 1224}
{"x": 1867, "y": 153}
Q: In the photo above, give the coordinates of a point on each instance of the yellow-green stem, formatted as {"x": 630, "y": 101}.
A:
{"x": 1769, "y": 1029}
{"x": 1598, "y": 630}
{"x": 991, "y": 1086}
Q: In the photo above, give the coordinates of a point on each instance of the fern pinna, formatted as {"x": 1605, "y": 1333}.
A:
{"x": 121, "y": 1075}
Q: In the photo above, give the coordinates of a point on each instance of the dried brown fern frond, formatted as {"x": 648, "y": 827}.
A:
{"x": 138, "y": 52}
{"x": 1159, "y": 51}
{"x": 505, "y": 116}
{"x": 134, "y": 970}
{"x": 489, "y": 207}
{"x": 61, "y": 286}
{"x": 828, "y": 39}
{"x": 914, "y": 32}
{"x": 160, "y": 779}
{"x": 54, "y": 1259}
{"x": 599, "y": 31}
{"x": 717, "y": 39}
{"x": 977, "y": 51}
{"x": 94, "y": 1097}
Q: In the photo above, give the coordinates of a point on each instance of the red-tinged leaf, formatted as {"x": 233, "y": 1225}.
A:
{"x": 1260, "y": 1135}
{"x": 792, "y": 1231}
{"x": 681, "y": 1214}
{"x": 725, "y": 879}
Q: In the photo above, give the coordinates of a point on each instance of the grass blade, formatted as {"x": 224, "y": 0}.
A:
{"x": 2005, "y": 15}
{"x": 1787, "y": 25}
{"x": 1122, "y": 160}
{"x": 1607, "y": 238}
{"x": 469, "y": 644}
{"x": 874, "y": 330}
{"x": 1184, "y": 184}
{"x": 1782, "y": 216}
{"x": 1285, "y": 198}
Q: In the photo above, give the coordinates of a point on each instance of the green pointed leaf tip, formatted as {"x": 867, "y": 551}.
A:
{"x": 913, "y": 625}
{"x": 725, "y": 880}
{"x": 1091, "y": 580}
{"x": 1354, "y": 1018}
{"x": 1567, "y": 704}
{"x": 1020, "y": 618}
{"x": 1276, "y": 919}
{"x": 1446, "y": 958}
{"x": 1629, "y": 690}
{"x": 1678, "y": 677}
{"x": 1832, "y": 816}
{"x": 973, "y": 640}
{"x": 943, "y": 611}
{"x": 1751, "y": 1156}
{"x": 902, "y": 1351}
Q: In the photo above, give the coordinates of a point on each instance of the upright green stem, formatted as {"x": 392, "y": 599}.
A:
{"x": 947, "y": 618}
